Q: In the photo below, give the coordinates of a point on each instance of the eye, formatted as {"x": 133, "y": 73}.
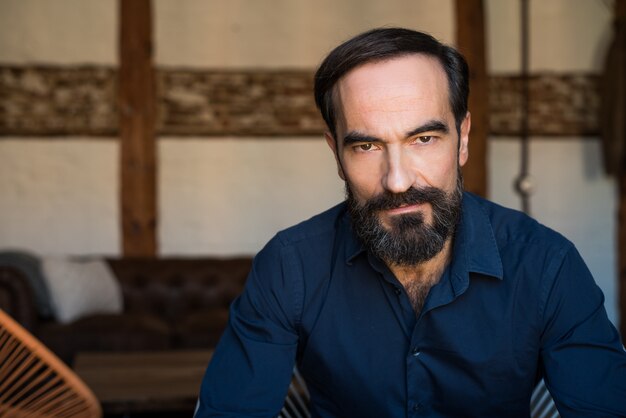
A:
{"x": 426, "y": 139}
{"x": 365, "y": 147}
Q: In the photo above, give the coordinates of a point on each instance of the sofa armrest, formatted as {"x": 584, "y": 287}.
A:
{"x": 17, "y": 298}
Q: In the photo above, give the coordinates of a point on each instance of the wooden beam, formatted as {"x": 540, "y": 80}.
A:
{"x": 137, "y": 129}
{"x": 621, "y": 257}
{"x": 470, "y": 37}
{"x": 619, "y": 134}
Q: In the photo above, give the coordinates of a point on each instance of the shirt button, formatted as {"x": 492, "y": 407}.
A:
{"x": 417, "y": 406}
{"x": 415, "y": 351}
{"x": 398, "y": 291}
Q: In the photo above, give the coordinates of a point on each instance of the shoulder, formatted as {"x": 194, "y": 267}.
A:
{"x": 294, "y": 260}
{"x": 513, "y": 227}
{"x": 316, "y": 227}
{"x": 311, "y": 239}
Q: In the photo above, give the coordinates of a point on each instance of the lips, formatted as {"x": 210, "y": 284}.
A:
{"x": 404, "y": 208}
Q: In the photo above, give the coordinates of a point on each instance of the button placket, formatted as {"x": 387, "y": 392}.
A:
{"x": 417, "y": 407}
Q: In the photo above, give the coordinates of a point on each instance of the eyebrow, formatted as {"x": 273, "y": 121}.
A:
{"x": 430, "y": 126}
{"x": 356, "y": 137}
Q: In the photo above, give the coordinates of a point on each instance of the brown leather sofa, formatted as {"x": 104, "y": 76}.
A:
{"x": 169, "y": 303}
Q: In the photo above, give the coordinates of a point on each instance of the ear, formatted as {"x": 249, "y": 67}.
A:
{"x": 333, "y": 146}
{"x": 464, "y": 139}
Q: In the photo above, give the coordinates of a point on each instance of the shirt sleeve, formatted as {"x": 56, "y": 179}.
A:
{"x": 252, "y": 365}
{"x": 584, "y": 362}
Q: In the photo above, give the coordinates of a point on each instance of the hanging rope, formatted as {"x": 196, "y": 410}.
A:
{"x": 523, "y": 183}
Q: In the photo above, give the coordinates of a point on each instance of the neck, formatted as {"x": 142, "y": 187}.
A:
{"x": 417, "y": 280}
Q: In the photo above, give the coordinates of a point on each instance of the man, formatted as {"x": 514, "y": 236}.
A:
{"x": 413, "y": 298}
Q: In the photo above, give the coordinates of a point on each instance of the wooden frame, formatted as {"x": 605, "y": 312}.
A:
{"x": 470, "y": 35}
{"x": 137, "y": 104}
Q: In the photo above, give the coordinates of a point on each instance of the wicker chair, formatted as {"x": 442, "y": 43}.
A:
{"x": 36, "y": 383}
{"x": 297, "y": 401}
{"x": 541, "y": 404}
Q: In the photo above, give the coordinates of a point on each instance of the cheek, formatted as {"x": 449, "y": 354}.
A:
{"x": 440, "y": 173}
{"x": 447, "y": 175}
{"x": 363, "y": 181}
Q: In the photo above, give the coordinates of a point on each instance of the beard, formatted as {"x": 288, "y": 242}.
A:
{"x": 409, "y": 240}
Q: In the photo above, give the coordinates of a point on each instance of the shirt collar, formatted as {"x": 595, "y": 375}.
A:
{"x": 475, "y": 248}
{"x": 475, "y": 243}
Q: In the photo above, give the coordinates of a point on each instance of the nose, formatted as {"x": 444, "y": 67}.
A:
{"x": 399, "y": 172}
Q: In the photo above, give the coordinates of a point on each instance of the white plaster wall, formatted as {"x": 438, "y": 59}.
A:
{"x": 59, "y": 196}
{"x": 280, "y": 33}
{"x": 565, "y": 35}
{"x": 230, "y": 196}
{"x": 58, "y": 32}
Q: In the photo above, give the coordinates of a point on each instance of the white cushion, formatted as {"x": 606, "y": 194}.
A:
{"x": 81, "y": 287}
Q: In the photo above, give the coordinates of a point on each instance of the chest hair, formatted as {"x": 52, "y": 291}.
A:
{"x": 417, "y": 290}
{"x": 417, "y": 280}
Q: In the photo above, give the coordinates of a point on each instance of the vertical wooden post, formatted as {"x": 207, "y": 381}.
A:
{"x": 470, "y": 37}
{"x": 620, "y": 131}
{"x": 621, "y": 256}
{"x": 137, "y": 129}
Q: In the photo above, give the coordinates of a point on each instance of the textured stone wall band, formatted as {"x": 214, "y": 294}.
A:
{"x": 52, "y": 101}
{"x": 57, "y": 101}
{"x": 559, "y": 105}
{"x": 237, "y": 103}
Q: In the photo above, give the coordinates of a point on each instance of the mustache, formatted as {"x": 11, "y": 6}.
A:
{"x": 412, "y": 196}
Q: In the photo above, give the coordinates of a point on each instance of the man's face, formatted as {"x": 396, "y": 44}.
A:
{"x": 399, "y": 152}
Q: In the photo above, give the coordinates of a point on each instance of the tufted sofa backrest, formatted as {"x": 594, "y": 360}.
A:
{"x": 175, "y": 287}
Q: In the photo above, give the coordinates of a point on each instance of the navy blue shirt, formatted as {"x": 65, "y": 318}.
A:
{"x": 516, "y": 303}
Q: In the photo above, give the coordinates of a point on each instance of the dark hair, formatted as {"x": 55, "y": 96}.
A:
{"x": 385, "y": 43}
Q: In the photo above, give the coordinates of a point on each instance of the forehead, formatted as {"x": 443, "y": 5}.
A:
{"x": 413, "y": 83}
